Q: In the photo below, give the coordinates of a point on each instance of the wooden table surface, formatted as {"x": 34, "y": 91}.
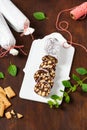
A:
{"x": 38, "y": 116}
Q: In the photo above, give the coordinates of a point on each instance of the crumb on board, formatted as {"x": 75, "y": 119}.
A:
{"x": 8, "y": 115}
{"x": 12, "y": 112}
{"x": 19, "y": 115}
{"x": 5, "y": 94}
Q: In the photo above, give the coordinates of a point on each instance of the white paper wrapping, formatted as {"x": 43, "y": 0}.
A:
{"x": 6, "y": 37}
{"x": 16, "y": 18}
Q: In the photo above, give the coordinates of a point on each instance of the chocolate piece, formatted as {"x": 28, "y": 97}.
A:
{"x": 42, "y": 88}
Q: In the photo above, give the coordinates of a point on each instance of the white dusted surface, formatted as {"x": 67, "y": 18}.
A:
{"x": 38, "y": 50}
{"x": 6, "y": 37}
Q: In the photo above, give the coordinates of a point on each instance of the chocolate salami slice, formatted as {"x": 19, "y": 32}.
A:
{"x": 43, "y": 75}
{"x": 42, "y": 88}
{"x": 49, "y": 58}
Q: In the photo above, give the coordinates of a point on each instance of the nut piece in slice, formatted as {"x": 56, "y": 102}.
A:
{"x": 47, "y": 65}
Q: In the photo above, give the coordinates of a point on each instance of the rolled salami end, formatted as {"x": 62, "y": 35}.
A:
{"x": 79, "y": 11}
{"x": 15, "y": 17}
{"x": 14, "y": 52}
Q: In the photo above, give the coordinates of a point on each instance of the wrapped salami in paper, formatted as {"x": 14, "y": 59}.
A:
{"x": 15, "y": 17}
{"x": 7, "y": 40}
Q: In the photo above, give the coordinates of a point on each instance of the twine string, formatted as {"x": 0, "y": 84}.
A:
{"x": 4, "y": 52}
{"x": 26, "y": 26}
{"x": 60, "y": 27}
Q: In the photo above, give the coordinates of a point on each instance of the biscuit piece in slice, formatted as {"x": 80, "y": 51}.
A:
{"x": 5, "y": 101}
{"x": 47, "y": 64}
{"x": 9, "y": 92}
{"x": 1, "y": 109}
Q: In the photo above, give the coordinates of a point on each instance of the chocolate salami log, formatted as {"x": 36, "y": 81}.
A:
{"x": 7, "y": 40}
{"x": 15, "y": 17}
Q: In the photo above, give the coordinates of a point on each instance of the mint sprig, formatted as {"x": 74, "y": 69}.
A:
{"x": 79, "y": 81}
{"x": 12, "y": 70}
{"x": 70, "y": 87}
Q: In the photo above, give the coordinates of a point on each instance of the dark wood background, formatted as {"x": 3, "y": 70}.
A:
{"x": 38, "y": 116}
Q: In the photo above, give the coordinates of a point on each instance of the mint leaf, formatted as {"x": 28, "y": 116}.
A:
{"x": 74, "y": 88}
{"x": 71, "y": 88}
{"x": 39, "y": 15}
{"x": 50, "y": 103}
{"x": 84, "y": 87}
{"x": 56, "y": 104}
{"x": 67, "y": 99}
{"x": 2, "y": 75}
{"x": 81, "y": 71}
{"x": 65, "y": 94}
{"x": 75, "y": 77}
{"x": 12, "y": 70}
{"x": 56, "y": 97}
{"x": 66, "y": 83}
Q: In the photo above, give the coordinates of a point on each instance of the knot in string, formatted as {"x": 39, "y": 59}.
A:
{"x": 4, "y": 52}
